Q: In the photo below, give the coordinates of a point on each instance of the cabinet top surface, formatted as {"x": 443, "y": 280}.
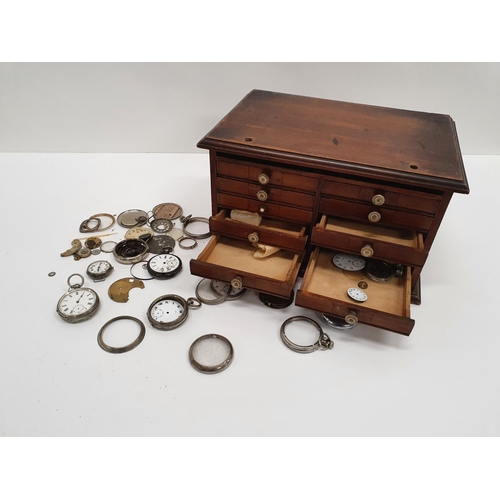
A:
{"x": 326, "y": 134}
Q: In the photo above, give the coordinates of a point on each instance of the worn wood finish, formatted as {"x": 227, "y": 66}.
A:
{"x": 329, "y": 168}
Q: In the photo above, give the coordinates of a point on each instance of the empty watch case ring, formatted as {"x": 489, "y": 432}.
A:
{"x": 102, "y": 216}
{"x": 188, "y": 220}
{"x": 129, "y": 347}
{"x": 219, "y": 298}
{"x": 323, "y": 342}
{"x": 187, "y": 247}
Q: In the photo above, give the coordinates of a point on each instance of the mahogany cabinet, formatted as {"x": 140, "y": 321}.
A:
{"x": 329, "y": 177}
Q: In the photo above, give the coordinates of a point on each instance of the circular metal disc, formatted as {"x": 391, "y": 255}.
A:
{"x": 170, "y": 211}
{"x": 349, "y": 262}
{"x": 133, "y": 217}
{"x": 159, "y": 242}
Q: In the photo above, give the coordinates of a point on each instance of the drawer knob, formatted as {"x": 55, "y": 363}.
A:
{"x": 374, "y": 216}
{"x": 351, "y": 318}
{"x": 367, "y": 251}
{"x": 378, "y": 200}
{"x": 263, "y": 178}
{"x": 237, "y": 283}
{"x": 253, "y": 237}
{"x": 261, "y": 195}
{"x": 262, "y": 209}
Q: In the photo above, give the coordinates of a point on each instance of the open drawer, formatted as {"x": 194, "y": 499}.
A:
{"x": 285, "y": 235}
{"x": 401, "y": 246}
{"x": 324, "y": 289}
{"x": 229, "y": 259}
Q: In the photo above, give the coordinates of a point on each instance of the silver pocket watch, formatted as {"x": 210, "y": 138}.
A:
{"x": 78, "y": 303}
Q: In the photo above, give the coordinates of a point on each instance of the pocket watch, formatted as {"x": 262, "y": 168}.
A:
{"x": 99, "y": 270}
{"x": 164, "y": 265}
{"x": 170, "y": 311}
{"x": 78, "y": 303}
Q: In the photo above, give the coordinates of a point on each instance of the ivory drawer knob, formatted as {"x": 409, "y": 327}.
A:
{"x": 263, "y": 178}
{"x": 374, "y": 216}
{"x": 262, "y": 195}
{"x": 253, "y": 237}
{"x": 351, "y": 318}
{"x": 367, "y": 251}
{"x": 237, "y": 283}
{"x": 378, "y": 200}
{"x": 262, "y": 209}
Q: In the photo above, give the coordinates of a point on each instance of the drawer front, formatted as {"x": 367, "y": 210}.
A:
{"x": 359, "y": 211}
{"x": 324, "y": 289}
{"x": 276, "y": 176}
{"x": 396, "y": 246}
{"x": 264, "y": 208}
{"x": 269, "y": 193}
{"x": 261, "y": 234}
{"x": 226, "y": 259}
{"x": 398, "y": 198}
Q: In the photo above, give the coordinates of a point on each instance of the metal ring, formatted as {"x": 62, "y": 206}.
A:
{"x": 84, "y": 226}
{"x": 161, "y": 225}
{"x": 76, "y": 285}
{"x": 98, "y": 216}
{"x": 188, "y": 220}
{"x": 323, "y": 342}
{"x": 213, "y": 368}
{"x": 186, "y": 247}
{"x": 218, "y": 300}
{"x": 144, "y": 266}
{"x": 108, "y": 246}
{"x": 129, "y": 347}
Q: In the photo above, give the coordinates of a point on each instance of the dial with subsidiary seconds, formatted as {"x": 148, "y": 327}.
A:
{"x": 164, "y": 266}
{"x": 78, "y": 304}
{"x": 357, "y": 294}
{"x": 349, "y": 262}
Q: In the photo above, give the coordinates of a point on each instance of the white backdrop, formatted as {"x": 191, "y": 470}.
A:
{"x": 169, "y": 107}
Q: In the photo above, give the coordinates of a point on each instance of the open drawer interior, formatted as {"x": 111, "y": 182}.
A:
{"x": 324, "y": 288}
{"x": 402, "y": 246}
{"x": 227, "y": 258}
{"x": 282, "y": 234}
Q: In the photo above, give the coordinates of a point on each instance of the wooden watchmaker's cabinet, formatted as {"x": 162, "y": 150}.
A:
{"x": 328, "y": 178}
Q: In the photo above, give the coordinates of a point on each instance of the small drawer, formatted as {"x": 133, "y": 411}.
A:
{"x": 380, "y": 195}
{"x": 265, "y": 193}
{"x": 285, "y": 235}
{"x": 378, "y": 216}
{"x": 324, "y": 289}
{"x": 400, "y": 246}
{"x": 268, "y": 175}
{"x": 226, "y": 259}
{"x": 264, "y": 208}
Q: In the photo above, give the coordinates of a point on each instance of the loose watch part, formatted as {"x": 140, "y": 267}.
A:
{"x": 93, "y": 242}
{"x": 176, "y": 233}
{"x": 137, "y": 232}
{"x": 100, "y": 217}
{"x": 133, "y": 217}
{"x": 161, "y": 225}
{"x": 128, "y": 347}
{"x": 99, "y": 270}
{"x": 78, "y": 303}
{"x": 165, "y": 265}
{"x": 130, "y": 251}
{"x": 170, "y": 311}
{"x": 189, "y": 219}
{"x": 169, "y": 211}
{"x": 120, "y": 289}
{"x": 211, "y": 353}
{"x": 357, "y": 294}
{"x": 108, "y": 246}
{"x": 158, "y": 243}
{"x": 275, "y": 302}
{"x": 337, "y": 323}
{"x": 348, "y": 262}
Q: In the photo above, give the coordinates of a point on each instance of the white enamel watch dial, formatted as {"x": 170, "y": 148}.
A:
{"x": 170, "y": 311}
{"x": 349, "y": 262}
{"x": 357, "y": 294}
{"x": 78, "y": 304}
{"x": 99, "y": 270}
{"x": 164, "y": 266}
{"x": 136, "y": 232}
